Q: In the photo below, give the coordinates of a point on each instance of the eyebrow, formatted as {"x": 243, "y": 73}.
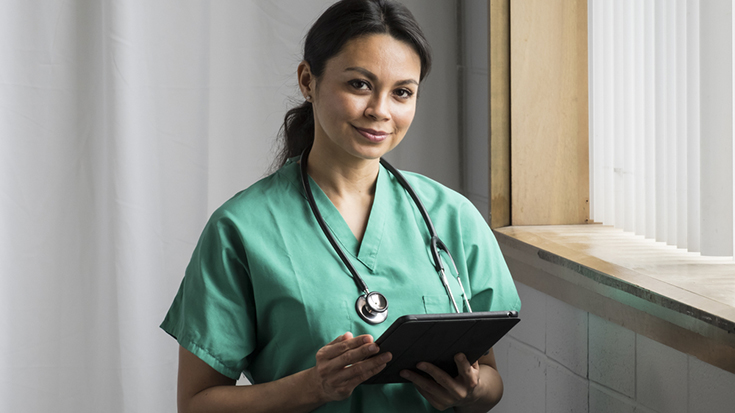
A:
{"x": 371, "y": 76}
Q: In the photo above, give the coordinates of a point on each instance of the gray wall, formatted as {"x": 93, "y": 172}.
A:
{"x": 432, "y": 144}
{"x": 475, "y": 104}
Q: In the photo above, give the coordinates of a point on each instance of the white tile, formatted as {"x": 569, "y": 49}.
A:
{"x": 612, "y": 355}
{"x": 565, "y": 391}
{"x": 661, "y": 376}
{"x": 605, "y": 401}
{"x": 711, "y": 390}
{"x": 532, "y": 328}
{"x": 525, "y": 384}
{"x": 566, "y": 335}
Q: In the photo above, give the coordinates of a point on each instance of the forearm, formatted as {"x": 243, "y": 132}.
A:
{"x": 490, "y": 392}
{"x": 294, "y": 393}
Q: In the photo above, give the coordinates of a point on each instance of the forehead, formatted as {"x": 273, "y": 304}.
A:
{"x": 381, "y": 54}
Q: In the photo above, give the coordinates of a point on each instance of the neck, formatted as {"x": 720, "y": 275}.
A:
{"x": 349, "y": 183}
{"x": 339, "y": 177}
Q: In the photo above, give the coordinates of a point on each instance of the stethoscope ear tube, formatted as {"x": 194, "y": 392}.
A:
{"x": 310, "y": 197}
{"x": 420, "y": 205}
{"x": 373, "y": 306}
{"x": 370, "y": 306}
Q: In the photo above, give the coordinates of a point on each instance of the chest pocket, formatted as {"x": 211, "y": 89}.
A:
{"x": 441, "y": 303}
{"x": 436, "y": 304}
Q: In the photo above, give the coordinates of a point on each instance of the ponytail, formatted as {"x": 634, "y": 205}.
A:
{"x": 297, "y": 132}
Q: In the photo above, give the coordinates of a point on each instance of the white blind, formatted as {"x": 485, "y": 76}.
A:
{"x": 661, "y": 120}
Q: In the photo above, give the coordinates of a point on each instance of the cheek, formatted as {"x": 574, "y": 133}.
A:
{"x": 343, "y": 107}
{"x": 404, "y": 116}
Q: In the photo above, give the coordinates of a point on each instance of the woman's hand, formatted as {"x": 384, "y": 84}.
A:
{"x": 345, "y": 363}
{"x": 477, "y": 387}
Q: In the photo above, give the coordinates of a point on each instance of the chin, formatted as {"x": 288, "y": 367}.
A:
{"x": 371, "y": 153}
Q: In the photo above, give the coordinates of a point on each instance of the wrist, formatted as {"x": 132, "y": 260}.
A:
{"x": 315, "y": 392}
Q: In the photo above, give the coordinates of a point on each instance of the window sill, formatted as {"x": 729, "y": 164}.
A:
{"x": 678, "y": 298}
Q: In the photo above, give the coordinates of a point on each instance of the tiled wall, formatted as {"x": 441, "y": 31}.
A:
{"x": 562, "y": 359}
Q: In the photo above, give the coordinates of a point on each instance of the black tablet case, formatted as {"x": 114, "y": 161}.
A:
{"x": 436, "y": 338}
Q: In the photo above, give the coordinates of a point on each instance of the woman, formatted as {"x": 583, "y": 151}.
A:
{"x": 265, "y": 293}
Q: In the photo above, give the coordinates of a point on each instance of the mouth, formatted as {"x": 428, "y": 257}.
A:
{"x": 372, "y": 134}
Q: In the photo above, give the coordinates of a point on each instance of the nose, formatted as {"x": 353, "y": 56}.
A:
{"x": 378, "y": 107}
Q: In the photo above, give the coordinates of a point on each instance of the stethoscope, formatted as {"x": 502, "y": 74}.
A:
{"x": 372, "y": 306}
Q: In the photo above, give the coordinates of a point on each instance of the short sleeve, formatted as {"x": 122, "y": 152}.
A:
{"x": 491, "y": 283}
{"x": 213, "y": 314}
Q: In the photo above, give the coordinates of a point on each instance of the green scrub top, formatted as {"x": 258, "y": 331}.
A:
{"x": 265, "y": 290}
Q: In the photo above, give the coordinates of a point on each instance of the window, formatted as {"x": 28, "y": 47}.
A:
{"x": 661, "y": 120}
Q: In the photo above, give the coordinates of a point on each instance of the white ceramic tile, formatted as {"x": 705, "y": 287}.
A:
{"x": 661, "y": 376}
{"x": 603, "y": 400}
{"x": 711, "y": 390}
{"x": 565, "y": 391}
{"x": 532, "y": 328}
{"x": 525, "y": 384}
{"x": 612, "y": 355}
{"x": 566, "y": 335}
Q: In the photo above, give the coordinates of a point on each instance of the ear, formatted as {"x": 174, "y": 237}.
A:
{"x": 307, "y": 81}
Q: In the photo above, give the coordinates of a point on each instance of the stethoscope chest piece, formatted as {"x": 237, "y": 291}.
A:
{"x": 373, "y": 307}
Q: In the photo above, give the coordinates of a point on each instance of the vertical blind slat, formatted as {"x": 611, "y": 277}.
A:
{"x": 679, "y": 159}
{"x": 608, "y": 213}
{"x": 650, "y": 132}
{"x": 628, "y": 154}
{"x": 716, "y": 127}
{"x": 661, "y": 126}
{"x": 693, "y": 91}
{"x": 618, "y": 152}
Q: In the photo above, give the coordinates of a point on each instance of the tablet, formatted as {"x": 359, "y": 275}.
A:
{"x": 436, "y": 338}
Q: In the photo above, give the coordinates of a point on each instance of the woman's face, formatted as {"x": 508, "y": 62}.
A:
{"x": 365, "y": 99}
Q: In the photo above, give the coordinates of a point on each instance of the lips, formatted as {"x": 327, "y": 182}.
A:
{"x": 372, "y": 134}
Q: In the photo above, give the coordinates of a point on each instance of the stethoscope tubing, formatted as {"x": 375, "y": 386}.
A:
{"x": 436, "y": 244}
{"x": 312, "y": 203}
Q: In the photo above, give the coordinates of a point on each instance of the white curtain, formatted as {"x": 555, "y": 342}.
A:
{"x": 123, "y": 124}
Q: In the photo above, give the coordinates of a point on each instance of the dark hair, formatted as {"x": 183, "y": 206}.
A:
{"x": 341, "y": 22}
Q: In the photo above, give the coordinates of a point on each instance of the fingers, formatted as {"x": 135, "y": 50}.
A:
{"x": 346, "y": 362}
{"x": 468, "y": 373}
{"x": 342, "y": 346}
{"x": 444, "y": 391}
{"x": 343, "y": 337}
{"x": 357, "y": 373}
{"x": 437, "y": 395}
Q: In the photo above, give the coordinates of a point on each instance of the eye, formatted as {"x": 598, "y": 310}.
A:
{"x": 359, "y": 84}
{"x": 404, "y": 93}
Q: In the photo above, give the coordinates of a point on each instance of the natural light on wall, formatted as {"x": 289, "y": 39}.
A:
{"x": 661, "y": 120}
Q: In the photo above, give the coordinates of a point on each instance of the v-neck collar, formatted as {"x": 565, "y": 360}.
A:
{"x": 366, "y": 251}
